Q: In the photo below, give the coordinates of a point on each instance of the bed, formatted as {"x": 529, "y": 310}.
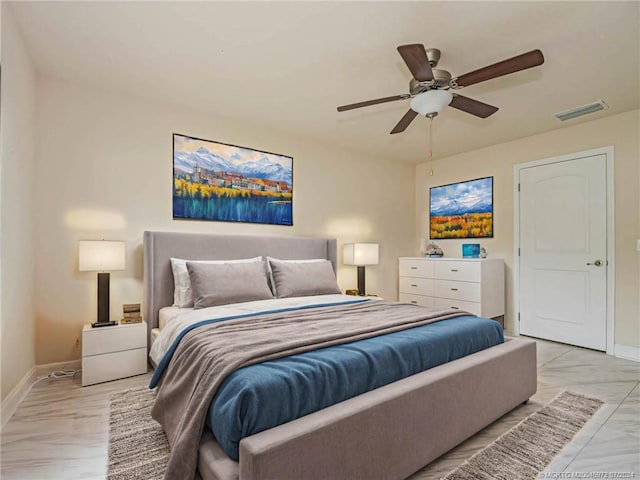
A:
{"x": 386, "y": 433}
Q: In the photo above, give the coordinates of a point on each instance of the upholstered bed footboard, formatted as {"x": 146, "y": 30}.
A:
{"x": 391, "y": 432}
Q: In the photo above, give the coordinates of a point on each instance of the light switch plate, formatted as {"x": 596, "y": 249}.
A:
{"x": 638, "y": 246}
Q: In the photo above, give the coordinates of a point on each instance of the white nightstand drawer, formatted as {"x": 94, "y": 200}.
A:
{"x": 467, "y": 291}
{"x": 463, "y": 271}
{"x": 471, "y": 307}
{"x": 417, "y": 299}
{"x": 113, "y": 339}
{"x": 417, "y": 286}
{"x": 112, "y": 366}
{"x": 416, "y": 268}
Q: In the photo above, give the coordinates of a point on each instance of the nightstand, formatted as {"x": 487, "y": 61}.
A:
{"x": 110, "y": 353}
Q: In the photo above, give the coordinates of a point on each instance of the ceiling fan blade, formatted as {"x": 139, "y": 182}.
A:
{"x": 512, "y": 65}
{"x": 415, "y": 56}
{"x": 474, "y": 107}
{"x": 404, "y": 122}
{"x": 372, "y": 102}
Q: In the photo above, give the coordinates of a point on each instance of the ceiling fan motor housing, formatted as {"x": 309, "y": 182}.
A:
{"x": 441, "y": 79}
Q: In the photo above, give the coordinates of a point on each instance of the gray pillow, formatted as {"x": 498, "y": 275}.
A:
{"x": 221, "y": 284}
{"x": 302, "y": 279}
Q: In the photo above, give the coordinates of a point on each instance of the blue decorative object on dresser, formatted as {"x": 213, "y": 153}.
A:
{"x": 470, "y": 250}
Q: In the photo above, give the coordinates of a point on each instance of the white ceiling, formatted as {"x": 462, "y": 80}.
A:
{"x": 289, "y": 65}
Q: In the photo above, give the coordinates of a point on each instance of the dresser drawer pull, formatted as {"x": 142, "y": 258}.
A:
{"x": 414, "y": 268}
{"x": 454, "y": 289}
{"x": 454, "y": 270}
{"x": 455, "y": 308}
{"x": 413, "y": 301}
{"x": 414, "y": 285}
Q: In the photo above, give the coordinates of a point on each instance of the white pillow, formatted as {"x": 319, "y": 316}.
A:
{"x": 182, "y": 294}
{"x": 272, "y": 282}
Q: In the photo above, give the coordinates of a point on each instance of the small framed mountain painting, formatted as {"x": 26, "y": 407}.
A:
{"x": 222, "y": 182}
{"x": 462, "y": 210}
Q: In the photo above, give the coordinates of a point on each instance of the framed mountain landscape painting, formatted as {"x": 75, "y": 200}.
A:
{"x": 462, "y": 210}
{"x": 221, "y": 182}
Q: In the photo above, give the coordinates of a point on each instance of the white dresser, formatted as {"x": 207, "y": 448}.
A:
{"x": 109, "y": 353}
{"x": 472, "y": 284}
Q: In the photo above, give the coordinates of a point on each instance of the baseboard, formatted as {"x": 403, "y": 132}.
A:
{"x": 627, "y": 352}
{"x": 12, "y": 401}
{"x": 16, "y": 395}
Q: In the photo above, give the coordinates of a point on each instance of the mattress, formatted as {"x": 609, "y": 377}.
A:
{"x": 154, "y": 334}
{"x": 166, "y": 314}
{"x": 259, "y": 397}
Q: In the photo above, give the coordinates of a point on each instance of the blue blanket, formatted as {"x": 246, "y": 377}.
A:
{"x": 262, "y": 396}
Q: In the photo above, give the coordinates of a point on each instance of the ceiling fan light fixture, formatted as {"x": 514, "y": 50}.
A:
{"x": 431, "y": 102}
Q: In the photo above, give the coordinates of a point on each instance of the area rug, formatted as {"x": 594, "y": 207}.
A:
{"x": 138, "y": 448}
{"x": 526, "y": 449}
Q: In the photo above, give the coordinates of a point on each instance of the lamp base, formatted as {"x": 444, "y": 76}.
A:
{"x": 361, "y": 289}
{"x": 103, "y": 297}
{"x": 103, "y": 324}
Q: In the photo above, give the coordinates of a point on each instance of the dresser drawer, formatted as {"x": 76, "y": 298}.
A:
{"x": 114, "y": 339}
{"x": 416, "y": 268}
{"x": 462, "y": 271}
{"x": 111, "y": 366}
{"x": 466, "y": 291}
{"x": 417, "y": 299}
{"x": 417, "y": 286}
{"x": 471, "y": 307}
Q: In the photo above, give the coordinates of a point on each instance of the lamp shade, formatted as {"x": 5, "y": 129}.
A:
{"x": 431, "y": 101}
{"x": 100, "y": 256}
{"x": 360, "y": 254}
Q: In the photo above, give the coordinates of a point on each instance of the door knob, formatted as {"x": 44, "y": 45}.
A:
{"x": 597, "y": 263}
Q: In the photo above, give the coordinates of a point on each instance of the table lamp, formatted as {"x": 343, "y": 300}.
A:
{"x": 101, "y": 256}
{"x": 360, "y": 254}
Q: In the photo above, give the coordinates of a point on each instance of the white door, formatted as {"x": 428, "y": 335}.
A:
{"x": 563, "y": 245}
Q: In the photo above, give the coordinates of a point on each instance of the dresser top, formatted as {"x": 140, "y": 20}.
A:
{"x": 456, "y": 259}
{"x": 120, "y": 326}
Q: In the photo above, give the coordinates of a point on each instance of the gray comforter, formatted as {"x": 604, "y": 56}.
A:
{"x": 208, "y": 354}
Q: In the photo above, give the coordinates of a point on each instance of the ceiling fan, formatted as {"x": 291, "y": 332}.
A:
{"x": 430, "y": 88}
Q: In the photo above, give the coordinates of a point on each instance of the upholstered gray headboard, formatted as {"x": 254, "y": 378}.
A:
{"x": 159, "y": 247}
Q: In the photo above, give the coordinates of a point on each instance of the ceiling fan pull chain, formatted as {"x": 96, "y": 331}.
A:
{"x": 430, "y": 147}
{"x": 430, "y": 140}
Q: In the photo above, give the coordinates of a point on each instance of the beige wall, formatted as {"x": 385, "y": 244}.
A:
{"x": 105, "y": 171}
{"x": 621, "y": 131}
{"x": 17, "y": 139}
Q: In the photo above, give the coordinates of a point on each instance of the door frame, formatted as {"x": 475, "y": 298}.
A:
{"x": 610, "y": 311}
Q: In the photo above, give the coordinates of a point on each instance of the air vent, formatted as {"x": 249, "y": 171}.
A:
{"x": 579, "y": 111}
